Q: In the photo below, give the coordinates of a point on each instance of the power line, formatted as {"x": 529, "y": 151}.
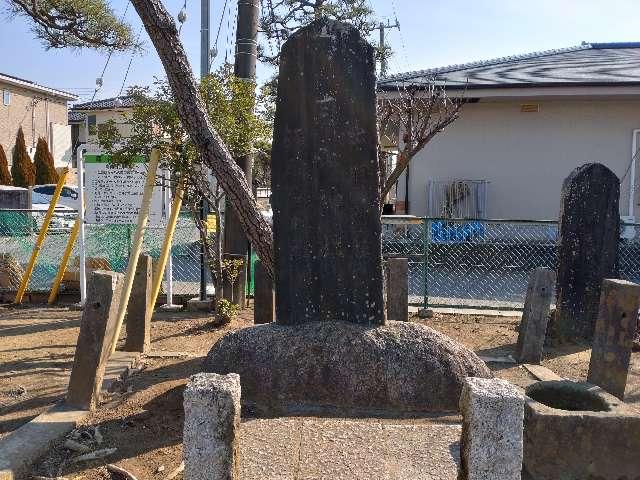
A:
{"x": 126, "y": 74}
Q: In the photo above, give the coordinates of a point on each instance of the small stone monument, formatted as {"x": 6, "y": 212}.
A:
{"x": 212, "y": 427}
{"x": 326, "y": 205}
{"x": 613, "y": 339}
{"x": 492, "y": 430}
{"x": 535, "y": 316}
{"x": 263, "y": 296}
{"x": 398, "y": 289}
{"x": 588, "y": 238}
{"x": 97, "y": 328}
{"x": 139, "y": 312}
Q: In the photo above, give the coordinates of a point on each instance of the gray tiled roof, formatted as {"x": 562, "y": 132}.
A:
{"x": 587, "y": 64}
{"x": 75, "y": 117}
{"x": 106, "y": 104}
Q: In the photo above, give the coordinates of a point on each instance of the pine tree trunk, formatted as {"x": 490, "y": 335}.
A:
{"x": 164, "y": 35}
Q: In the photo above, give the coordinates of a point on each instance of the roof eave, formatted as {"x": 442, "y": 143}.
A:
{"x": 423, "y": 86}
{"x": 38, "y": 88}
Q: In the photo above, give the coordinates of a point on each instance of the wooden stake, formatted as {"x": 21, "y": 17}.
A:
{"x": 143, "y": 218}
{"x": 41, "y": 236}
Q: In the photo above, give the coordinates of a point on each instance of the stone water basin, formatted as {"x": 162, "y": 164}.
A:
{"x": 577, "y": 431}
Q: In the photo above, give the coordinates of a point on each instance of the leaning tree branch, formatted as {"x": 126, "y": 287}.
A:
{"x": 163, "y": 33}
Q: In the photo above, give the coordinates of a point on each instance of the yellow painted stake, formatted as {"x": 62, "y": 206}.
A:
{"x": 41, "y": 236}
{"x": 143, "y": 218}
{"x": 63, "y": 263}
{"x": 166, "y": 245}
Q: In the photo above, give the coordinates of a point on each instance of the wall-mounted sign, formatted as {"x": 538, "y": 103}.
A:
{"x": 113, "y": 194}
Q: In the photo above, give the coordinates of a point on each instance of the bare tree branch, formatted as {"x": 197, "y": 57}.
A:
{"x": 421, "y": 113}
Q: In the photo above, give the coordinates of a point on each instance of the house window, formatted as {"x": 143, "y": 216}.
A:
{"x": 91, "y": 123}
{"x": 6, "y": 97}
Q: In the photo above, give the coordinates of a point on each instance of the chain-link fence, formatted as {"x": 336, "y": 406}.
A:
{"x": 107, "y": 246}
{"x": 483, "y": 263}
{"x": 480, "y": 263}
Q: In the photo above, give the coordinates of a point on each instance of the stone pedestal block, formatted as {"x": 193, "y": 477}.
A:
{"x": 212, "y": 427}
{"x": 491, "y": 444}
{"x": 616, "y": 328}
{"x": 398, "y": 289}
{"x": 263, "y": 297}
{"x": 535, "y": 316}
{"x": 327, "y": 230}
{"x": 197, "y": 305}
{"x": 97, "y": 328}
{"x": 588, "y": 236}
{"x": 327, "y": 366}
{"x": 138, "y": 321}
{"x": 576, "y": 430}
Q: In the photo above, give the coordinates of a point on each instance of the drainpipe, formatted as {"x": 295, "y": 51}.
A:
{"x": 46, "y": 125}
{"x": 632, "y": 178}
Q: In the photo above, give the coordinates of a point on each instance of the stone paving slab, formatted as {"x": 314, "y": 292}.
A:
{"x": 335, "y": 449}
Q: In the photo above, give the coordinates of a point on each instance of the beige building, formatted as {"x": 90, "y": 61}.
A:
{"x": 40, "y": 111}
{"x": 529, "y": 121}
{"x": 87, "y": 118}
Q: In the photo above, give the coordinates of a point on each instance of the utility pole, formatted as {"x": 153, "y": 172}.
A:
{"x": 235, "y": 241}
{"x": 205, "y": 45}
{"x": 383, "y": 59}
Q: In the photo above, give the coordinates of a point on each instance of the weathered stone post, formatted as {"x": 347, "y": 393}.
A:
{"x": 212, "y": 427}
{"x": 589, "y": 232}
{"x": 398, "y": 289}
{"x": 613, "y": 339}
{"x": 139, "y": 313}
{"x": 535, "y": 316}
{"x": 97, "y": 328}
{"x": 325, "y": 179}
{"x": 263, "y": 296}
{"x": 492, "y": 430}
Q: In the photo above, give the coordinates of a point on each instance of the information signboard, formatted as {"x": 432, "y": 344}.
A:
{"x": 113, "y": 194}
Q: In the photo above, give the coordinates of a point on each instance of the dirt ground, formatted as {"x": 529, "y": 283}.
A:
{"x": 144, "y": 420}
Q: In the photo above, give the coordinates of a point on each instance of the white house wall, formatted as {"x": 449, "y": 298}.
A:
{"x": 526, "y": 156}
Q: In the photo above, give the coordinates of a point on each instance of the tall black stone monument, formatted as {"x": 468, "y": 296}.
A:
{"x": 589, "y": 232}
{"x": 325, "y": 179}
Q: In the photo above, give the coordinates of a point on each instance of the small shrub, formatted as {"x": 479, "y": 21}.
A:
{"x": 5, "y": 176}
{"x": 44, "y": 164}
{"x": 22, "y": 169}
{"x": 225, "y": 311}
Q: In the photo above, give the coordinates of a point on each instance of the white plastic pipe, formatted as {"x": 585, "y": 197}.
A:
{"x": 632, "y": 173}
{"x": 81, "y": 239}
{"x": 168, "y": 271}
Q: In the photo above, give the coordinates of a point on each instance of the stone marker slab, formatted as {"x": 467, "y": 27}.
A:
{"x": 535, "y": 316}
{"x": 138, "y": 321}
{"x": 306, "y": 448}
{"x": 588, "y": 236}
{"x": 97, "y": 328}
{"x": 613, "y": 339}
{"x": 325, "y": 181}
{"x": 492, "y": 438}
{"x": 212, "y": 427}
{"x": 20, "y": 448}
{"x": 263, "y": 297}
{"x": 398, "y": 289}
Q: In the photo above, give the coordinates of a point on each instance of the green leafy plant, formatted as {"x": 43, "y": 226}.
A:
{"x": 22, "y": 169}
{"x": 44, "y": 164}
{"x": 5, "y": 176}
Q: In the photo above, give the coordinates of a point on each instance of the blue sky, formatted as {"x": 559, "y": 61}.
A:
{"x": 434, "y": 33}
